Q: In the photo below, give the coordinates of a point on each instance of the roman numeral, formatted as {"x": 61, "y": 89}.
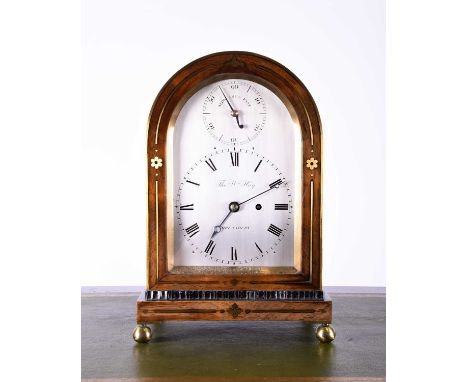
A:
{"x": 188, "y": 207}
{"x": 258, "y": 248}
{"x": 274, "y": 230}
{"x": 233, "y": 253}
{"x": 210, "y": 164}
{"x": 258, "y": 165}
{"x": 276, "y": 183}
{"x": 235, "y": 159}
{"x": 192, "y": 230}
{"x": 209, "y": 248}
{"x": 196, "y": 184}
{"x": 280, "y": 207}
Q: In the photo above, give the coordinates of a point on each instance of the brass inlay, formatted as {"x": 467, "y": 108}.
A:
{"x": 162, "y": 311}
{"x": 247, "y": 311}
{"x": 234, "y": 310}
{"x": 156, "y": 210}
{"x": 156, "y": 162}
{"x": 311, "y": 228}
{"x": 312, "y": 163}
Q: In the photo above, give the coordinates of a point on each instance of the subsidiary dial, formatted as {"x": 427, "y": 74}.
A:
{"x": 234, "y": 112}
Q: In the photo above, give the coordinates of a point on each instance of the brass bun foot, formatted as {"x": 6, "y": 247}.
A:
{"x": 142, "y": 334}
{"x": 325, "y": 333}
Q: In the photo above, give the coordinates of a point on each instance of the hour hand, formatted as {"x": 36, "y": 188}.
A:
{"x": 217, "y": 229}
{"x": 233, "y": 207}
{"x": 235, "y": 114}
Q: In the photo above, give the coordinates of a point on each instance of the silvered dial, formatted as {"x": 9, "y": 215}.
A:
{"x": 234, "y": 112}
{"x": 234, "y": 207}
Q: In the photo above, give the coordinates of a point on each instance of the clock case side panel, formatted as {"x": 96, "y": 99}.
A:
{"x": 168, "y": 103}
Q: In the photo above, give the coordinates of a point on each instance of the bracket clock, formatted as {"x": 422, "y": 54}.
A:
{"x": 234, "y": 197}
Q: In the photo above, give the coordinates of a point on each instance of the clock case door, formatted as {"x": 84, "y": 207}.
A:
{"x": 165, "y": 109}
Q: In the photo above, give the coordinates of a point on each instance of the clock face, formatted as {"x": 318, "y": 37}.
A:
{"x": 234, "y": 112}
{"x": 242, "y": 203}
{"x": 234, "y": 182}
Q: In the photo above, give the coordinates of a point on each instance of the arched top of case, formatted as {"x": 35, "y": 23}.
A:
{"x": 180, "y": 87}
{"x": 216, "y": 66}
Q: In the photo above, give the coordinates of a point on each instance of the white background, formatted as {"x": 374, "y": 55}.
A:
{"x": 130, "y": 49}
{"x": 426, "y": 188}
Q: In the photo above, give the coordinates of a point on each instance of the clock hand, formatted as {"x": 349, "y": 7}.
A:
{"x": 224, "y": 95}
{"x": 233, "y": 207}
{"x": 217, "y": 228}
{"x": 273, "y": 185}
{"x": 237, "y": 120}
{"x": 234, "y": 113}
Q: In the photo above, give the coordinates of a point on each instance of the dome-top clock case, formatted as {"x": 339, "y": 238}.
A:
{"x": 234, "y": 197}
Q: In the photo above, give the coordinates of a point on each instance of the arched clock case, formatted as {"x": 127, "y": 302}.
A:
{"x": 234, "y": 164}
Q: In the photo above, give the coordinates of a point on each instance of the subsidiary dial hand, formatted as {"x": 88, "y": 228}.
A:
{"x": 234, "y": 113}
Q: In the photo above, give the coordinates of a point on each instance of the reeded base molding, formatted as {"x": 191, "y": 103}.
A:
{"x": 318, "y": 311}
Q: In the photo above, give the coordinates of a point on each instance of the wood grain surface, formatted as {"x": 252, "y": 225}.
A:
{"x": 223, "y": 310}
{"x": 165, "y": 109}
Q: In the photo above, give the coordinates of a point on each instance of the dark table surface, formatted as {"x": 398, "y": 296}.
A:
{"x": 233, "y": 350}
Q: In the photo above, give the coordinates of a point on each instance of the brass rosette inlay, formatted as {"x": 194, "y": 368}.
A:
{"x": 156, "y": 162}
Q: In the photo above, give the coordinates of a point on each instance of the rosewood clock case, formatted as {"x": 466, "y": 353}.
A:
{"x": 234, "y": 296}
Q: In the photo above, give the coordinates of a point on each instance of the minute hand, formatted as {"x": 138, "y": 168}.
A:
{"x": 273, "y": 185}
